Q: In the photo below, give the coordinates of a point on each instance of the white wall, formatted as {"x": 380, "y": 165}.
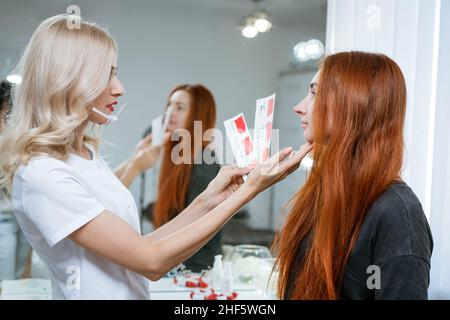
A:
{"x": 162, "y": 43}
{"x": 293, "y": 86}
{"x": 415, "y": 33}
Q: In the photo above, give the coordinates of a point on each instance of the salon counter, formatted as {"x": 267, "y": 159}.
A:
{"x": 163, "y": 289}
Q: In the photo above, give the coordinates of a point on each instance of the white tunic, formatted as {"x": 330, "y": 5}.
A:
{"x": 52, "y": 199}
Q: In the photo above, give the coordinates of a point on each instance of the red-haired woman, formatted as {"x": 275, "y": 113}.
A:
{"x": 355, "y": 230}
{"x": 180, "y": 179}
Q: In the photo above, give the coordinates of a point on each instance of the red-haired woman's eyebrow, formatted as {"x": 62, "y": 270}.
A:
{"x": 313, "y": 85}
{"x": 177, "y": 103}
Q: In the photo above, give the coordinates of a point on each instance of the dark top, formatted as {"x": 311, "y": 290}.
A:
{"x": 395, "y": 237}
{"x": 202, "y": 174}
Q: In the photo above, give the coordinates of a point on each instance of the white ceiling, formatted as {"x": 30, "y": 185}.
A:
{"x": 284, "y": 12}
{"x": 18, "y": 18}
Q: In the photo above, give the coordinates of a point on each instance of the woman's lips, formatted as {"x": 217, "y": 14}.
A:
{"x": 110, "y": 107}
{"x": 304, "y": 125}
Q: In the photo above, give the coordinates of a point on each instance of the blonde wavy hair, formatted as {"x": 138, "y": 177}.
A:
{"x": 63, "y": 71}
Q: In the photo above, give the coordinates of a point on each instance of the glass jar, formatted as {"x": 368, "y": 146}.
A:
{"x": 266, "y": 278}
{"x": 245, "y": 260}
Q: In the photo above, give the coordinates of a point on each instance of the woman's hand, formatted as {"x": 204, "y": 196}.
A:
{"x": 274, "y": 170}
{"x": 260, "y": 177}
{"x": 228, "y": 180}
{"x": 145, "y": 155}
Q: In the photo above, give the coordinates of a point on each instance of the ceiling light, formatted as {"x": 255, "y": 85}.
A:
{"x": 314, "y": 49}
{"x": 310, "y": 50}
{"x": 300, "y": 52}
{"x": 256, "y": 22}
{"x": 263, "y": 25}
{"x": 262, "y": 22}
{"x": 249, "y": 31}
{"x": 14, "y": 78}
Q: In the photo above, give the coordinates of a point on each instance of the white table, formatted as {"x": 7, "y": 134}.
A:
{"x": 166, "y": 289}
{"x": 163, "y": 289}
{"x": 26, "y": 289}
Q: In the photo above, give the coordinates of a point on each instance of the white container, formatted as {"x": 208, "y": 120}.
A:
{"x": 226, "y": 283}
{"x": 217, "y": 271}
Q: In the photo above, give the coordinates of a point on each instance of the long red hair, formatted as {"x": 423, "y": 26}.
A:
{"x": 358, "y": 119}
{"x": 174, "y": 178}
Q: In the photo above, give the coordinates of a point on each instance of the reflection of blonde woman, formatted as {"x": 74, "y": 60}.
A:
{"x": 77, "y": 215}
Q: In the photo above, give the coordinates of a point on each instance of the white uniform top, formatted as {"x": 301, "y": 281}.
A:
{"x": 52, "y": 199}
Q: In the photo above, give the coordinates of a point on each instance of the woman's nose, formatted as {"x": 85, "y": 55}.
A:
{"x": 117, "y": 89}
{"x": 299, "y": 108}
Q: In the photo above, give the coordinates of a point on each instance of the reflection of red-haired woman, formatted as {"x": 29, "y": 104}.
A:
{"x": 355, "y": 230}
{"x": 180, "y": 184}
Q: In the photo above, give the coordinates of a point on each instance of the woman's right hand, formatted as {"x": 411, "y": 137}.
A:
{"x": 274, "y": 170}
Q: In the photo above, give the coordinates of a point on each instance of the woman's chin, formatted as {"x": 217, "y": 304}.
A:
{"x": 308, "y": 138}
{"x": 171, "y": 127}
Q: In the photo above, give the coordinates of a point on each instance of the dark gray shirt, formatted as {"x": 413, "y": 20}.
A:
{"x": 396, "y": 238}
{"x": 202, "y": 174}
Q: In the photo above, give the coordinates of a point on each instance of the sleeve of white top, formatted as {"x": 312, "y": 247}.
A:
{"x": 55, "y": 199}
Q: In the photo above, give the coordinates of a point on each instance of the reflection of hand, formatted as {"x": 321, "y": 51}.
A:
{"x": 145, "y": 155}
{"x": 272, "y": 171}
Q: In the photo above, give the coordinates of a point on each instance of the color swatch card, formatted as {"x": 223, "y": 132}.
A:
{"x": 263, "y": 127}
{"x": 240, "y": 140}
{"x": 159, "y": 126}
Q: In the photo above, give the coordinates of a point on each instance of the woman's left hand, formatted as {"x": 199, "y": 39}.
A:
{"x": 276, "y": 168}
{"x": 261, "y": 176}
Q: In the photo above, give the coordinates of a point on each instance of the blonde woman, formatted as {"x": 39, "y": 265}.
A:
{"x": 14, "y": 249}
{"x": 77, "y": 215}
